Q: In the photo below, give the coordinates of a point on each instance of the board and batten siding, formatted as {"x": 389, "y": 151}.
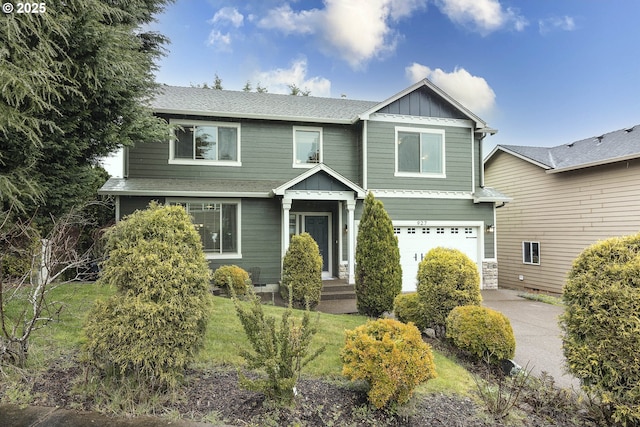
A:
{"x": 381, "y": 159}
{"x": 266, "y": 153}
{"x": 566, "y": 212}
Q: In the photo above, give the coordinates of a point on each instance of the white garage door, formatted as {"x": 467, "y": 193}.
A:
{"x": 415, "y": 242}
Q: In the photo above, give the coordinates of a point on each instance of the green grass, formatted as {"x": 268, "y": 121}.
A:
{"x": 547, "y": 299}
{"x": 225, "y": 336}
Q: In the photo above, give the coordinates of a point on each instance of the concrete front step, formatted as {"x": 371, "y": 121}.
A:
{"x": 337, "y": 295}
{"x": 337, "y": 290}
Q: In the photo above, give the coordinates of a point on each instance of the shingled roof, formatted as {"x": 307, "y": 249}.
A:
{"x": 229, "y": 103}
{"x": 623, "y": 144}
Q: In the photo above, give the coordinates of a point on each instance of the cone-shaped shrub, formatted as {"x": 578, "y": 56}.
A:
{"x": 447, "y": 278}
{"x": 155, "y": 323}
{"x": 302, "y": 272}
{"x": 602, "y": 328}
{"x": 378, "y": 270}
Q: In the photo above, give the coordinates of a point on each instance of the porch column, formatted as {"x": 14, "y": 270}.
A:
{"x": 286, "y": 207}
{"x": 351, "y": 207}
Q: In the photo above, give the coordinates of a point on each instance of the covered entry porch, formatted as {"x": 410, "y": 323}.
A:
{"x": 322, "y": 202}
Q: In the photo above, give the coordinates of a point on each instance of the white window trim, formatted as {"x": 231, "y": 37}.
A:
{"x": 238, "y": 203}
{"x": 416, "y": 174}
{"x": 310, "y": 129}
{"x": 531, "y": 242}
{"x": 172, "y": 140}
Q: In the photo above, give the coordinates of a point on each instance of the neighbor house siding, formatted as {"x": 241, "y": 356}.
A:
{"x": 566, "y": 212}
{"x": 266, "y": 153}
{"x": 381, "y": 159}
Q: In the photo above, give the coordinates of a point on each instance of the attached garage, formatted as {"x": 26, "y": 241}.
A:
{"x": 416, "y": 240}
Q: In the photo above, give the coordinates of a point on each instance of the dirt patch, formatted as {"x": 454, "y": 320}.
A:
{"x": 214, "y": 396}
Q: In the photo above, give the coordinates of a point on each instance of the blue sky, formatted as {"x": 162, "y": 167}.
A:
{"x": 542, "y": 72}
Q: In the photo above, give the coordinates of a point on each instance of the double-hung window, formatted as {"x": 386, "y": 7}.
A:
{"x": 218, "y": 223}
{"x": 420, "y": 152}
{"x": 205, "y": 143}
{"x": 307, "y": 146}
{"x": 531, "y": 253}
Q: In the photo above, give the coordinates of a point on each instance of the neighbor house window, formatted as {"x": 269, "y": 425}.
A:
{"x": 531, "y": 253}
{"x": 420, "y": 152}
{"x": 307, "y": 146}
{"x": 218, "y": 224}
{"x": 205, "y": 143}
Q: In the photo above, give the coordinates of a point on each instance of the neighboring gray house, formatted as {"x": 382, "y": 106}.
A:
{"x": 255, "y": 168}
{"x": 565, "y": 198}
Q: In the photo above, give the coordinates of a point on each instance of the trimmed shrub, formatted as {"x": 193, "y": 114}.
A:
{"x": 239, "y": 279}
{"x": 408, "y": 308}
{"x": 378, "y": 271}
{"x": 447, "y": 278}
{"x": 481, "y": 331}
{"x": 155, "y": 323}
{"x": 391, "y": 356}
{"x": 601, "y": 326}
{"x": 302, "y": 272}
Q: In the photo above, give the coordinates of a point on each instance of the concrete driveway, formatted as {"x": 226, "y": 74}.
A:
{"x": 535, "y": 325}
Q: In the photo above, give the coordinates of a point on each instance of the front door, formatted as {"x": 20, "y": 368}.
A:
{"x": 318, "y": 227}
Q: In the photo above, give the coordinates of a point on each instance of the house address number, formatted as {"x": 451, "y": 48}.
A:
{"x": 422, "y": 222}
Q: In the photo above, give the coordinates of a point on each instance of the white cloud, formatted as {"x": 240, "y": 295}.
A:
{"x": 228, "y": 14}
{"x": 354, "y": 30}
{"x": 278, "y": 80}
{"x": 483, "y": 16}
{"x": 564, "y": 23}
{"x": 220, "y": 41}
{"x": 471, "y": 91}
{"x": 288, "y": 21}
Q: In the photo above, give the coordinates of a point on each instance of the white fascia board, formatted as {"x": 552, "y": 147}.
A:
{"x": 230, "y": 114}
{"x": 176, "y": 193}
{"x": 421, "y": 194}
{"x": 419, "y": 120}
{"x": 360, "y": 192}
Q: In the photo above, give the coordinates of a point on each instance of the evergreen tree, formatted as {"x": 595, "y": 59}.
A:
{"x": 75, "y": 81}
{"x": 378, "y": 270}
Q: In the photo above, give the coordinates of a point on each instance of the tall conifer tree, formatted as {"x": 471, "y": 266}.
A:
{"x": 378, "y": 270}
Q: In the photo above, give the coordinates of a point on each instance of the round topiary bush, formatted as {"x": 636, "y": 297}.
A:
{"x": 154, "y": 324}
{"x": 302, "y": 272}
{"x": 601, "y": 326}
{"x": 239, "y": 279}
{"x": 447, "y": 278}
{"x": 408, "y": 308}
{"x": 391, "y": 356}
{"x": 378, "y": 270}
{"x": 481, "y": 331}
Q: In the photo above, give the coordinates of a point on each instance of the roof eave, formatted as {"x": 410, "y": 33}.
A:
{"x": 230, "y": 114}
{"x": 178, "y": 193}
{"x": 280, "y": 191}
{"x": 597, "y": 163}
{"x": 518, "y": 155}
{"x": 426, "y": 82}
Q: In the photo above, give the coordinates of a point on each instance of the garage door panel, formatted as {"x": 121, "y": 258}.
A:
{"x": 415, "y": 242}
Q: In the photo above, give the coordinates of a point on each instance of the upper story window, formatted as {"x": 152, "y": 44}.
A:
{"x": 531, "y": 253}
{"x": 218, "y": 223}
{"x": 420, "y": 152}
{"x": 199, "y": 142}
{"x": 307, "y": 146}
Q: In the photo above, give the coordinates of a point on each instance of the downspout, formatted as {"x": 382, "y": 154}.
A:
{"x": 365, "y": 167}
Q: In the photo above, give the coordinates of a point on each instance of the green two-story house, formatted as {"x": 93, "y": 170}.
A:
{"x": 253, "y": 169}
